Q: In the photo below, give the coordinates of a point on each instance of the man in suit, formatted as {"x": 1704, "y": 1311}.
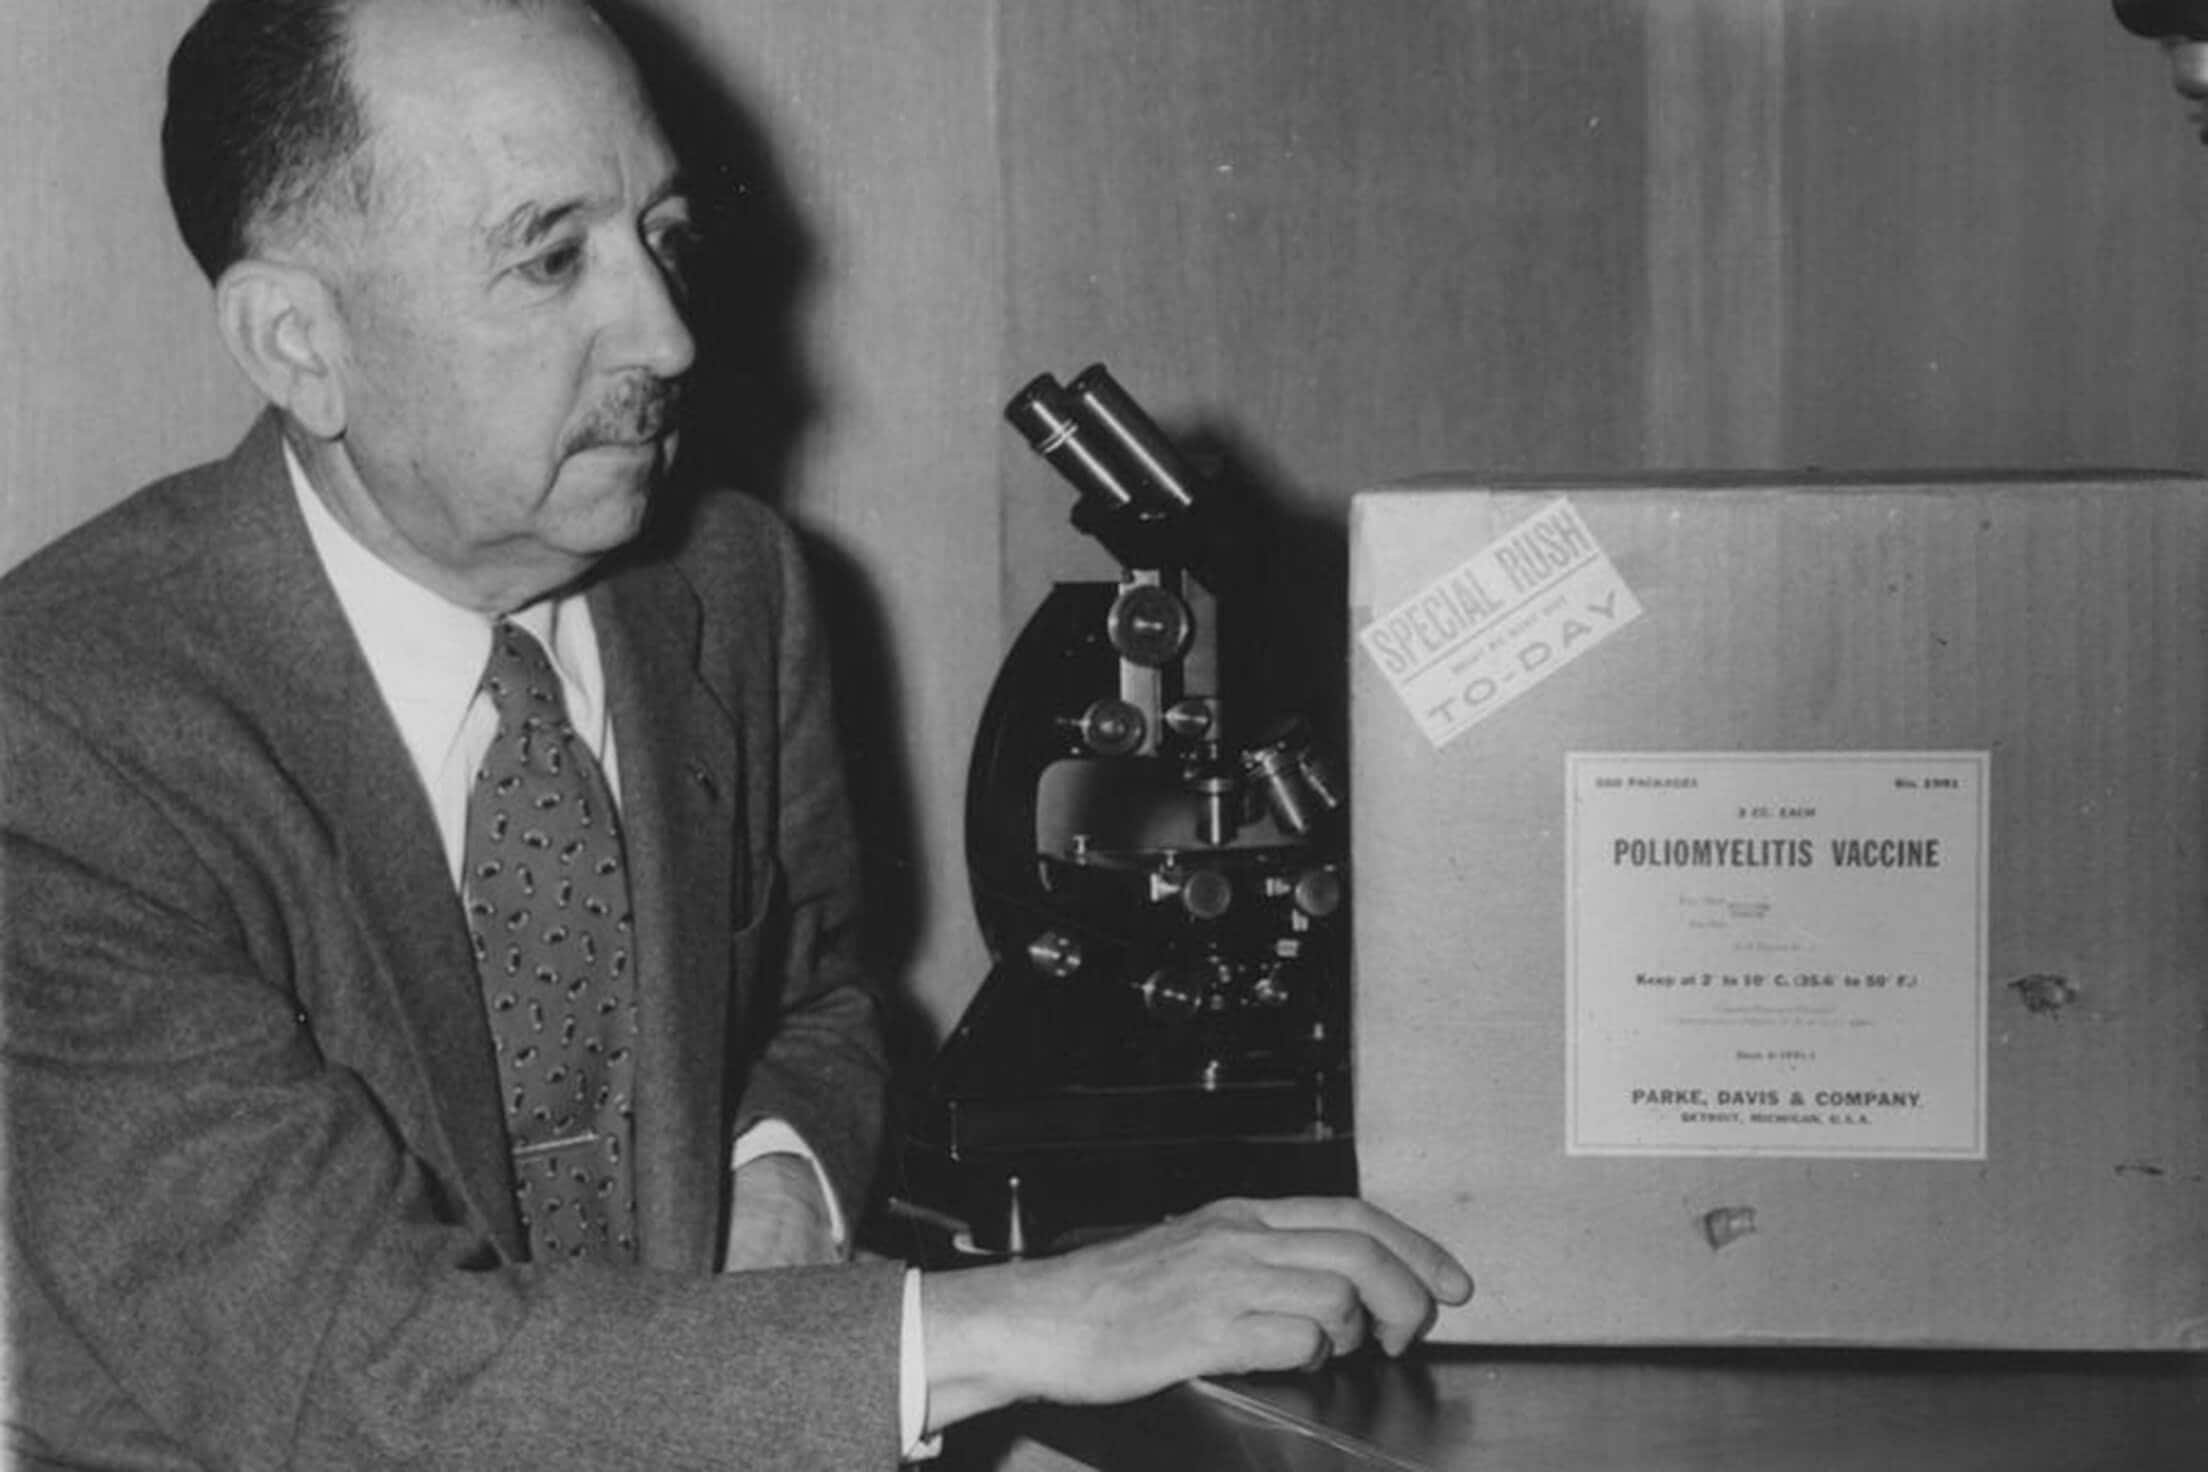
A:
{"x": 434, "y": 1028}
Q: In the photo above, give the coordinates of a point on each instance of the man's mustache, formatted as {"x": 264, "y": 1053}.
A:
{"x": 641, "y": 410}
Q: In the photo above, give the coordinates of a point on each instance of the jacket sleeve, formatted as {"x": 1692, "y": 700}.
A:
{"x": 821, "y": 1065}
{"x": 228, "y": 1230}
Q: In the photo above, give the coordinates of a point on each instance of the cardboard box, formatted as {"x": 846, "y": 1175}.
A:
{"x": 1783, "y": 908}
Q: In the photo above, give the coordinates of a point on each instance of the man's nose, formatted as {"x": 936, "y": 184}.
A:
{"x": 650, "y": 332}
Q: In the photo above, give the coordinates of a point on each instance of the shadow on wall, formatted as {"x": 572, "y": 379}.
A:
{"x": 751, "y": 398}
{"x": 1288, "y": 640}
{"x": 750, "y": 402}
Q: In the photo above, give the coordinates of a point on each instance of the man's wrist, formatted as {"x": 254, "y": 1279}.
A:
{"x": 977, "y": 1358}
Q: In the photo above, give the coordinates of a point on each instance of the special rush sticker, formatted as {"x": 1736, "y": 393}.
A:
{"x": 1500, "y": 622}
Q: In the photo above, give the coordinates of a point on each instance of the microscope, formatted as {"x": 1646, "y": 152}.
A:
{"x": 1160, "y": 874}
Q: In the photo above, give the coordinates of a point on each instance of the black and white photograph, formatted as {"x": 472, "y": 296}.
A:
{"x": 1104, "y": 735}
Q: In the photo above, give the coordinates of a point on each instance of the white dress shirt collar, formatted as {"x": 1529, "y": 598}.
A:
{"x": 427, "y": 656}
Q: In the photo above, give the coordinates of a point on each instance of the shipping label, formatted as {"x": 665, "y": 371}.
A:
{"x": 1777, "y": 953}
{"x": 1499, "y": 623}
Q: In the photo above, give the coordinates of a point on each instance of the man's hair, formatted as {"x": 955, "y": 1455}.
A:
{"x": 263, "y": 123}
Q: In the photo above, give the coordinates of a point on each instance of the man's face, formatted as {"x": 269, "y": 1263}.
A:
{"x": 510, "y": 305}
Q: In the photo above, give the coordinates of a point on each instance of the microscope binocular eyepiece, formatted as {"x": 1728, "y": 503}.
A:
{"x": 1095, "y": 435}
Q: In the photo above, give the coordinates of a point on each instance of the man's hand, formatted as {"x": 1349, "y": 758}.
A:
{"x": 778, "y": 1217}
{"x": 1237, "y": 1286}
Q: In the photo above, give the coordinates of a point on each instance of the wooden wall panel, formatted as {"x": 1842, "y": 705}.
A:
{"x": 1888, "y": 234}
{"x": 1998, "y": 220}
{"x": 110, "y": 371}
{"x": 1714, "y": 190}
{"x": 1356, "y": 241}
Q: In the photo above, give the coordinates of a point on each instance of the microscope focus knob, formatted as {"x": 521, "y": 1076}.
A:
{"x": 1318, "y": 893}
{"x": 1191, "y": 719}
{"x": 1207, "y": 894}
{"x": 1204, "y": 893}
{"x": 1113, "y": 727}
{"x": 1149, "y": 625}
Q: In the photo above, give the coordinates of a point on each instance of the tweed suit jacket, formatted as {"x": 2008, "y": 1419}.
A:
{"x": 260, "y": 1207}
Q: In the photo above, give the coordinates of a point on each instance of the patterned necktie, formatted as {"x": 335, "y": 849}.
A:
{"x": 546, "y": 889}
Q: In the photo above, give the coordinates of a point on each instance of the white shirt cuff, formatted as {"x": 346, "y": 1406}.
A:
{"x": 912, "y": 1379}
{"x": 776, "y": 1137}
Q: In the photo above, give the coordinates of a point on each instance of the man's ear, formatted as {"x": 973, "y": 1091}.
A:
{"x": 281, "y": 324}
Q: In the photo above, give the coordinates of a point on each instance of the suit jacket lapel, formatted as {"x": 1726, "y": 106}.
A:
{"x": 679, "y": 763}
{"x": 679, "y": 760}
{"x": 332, "y": 733}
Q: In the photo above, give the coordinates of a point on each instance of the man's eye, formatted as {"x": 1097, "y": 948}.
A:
{"x": 675, "y": 247}
{"x": 554, "y": 266}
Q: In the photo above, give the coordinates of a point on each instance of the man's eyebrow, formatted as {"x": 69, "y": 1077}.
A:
{"x": 529, "y": 224}
{"x": 674, "y": 186}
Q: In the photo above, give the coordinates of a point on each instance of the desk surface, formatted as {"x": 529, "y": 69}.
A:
{"x": 1754, "y": 1411}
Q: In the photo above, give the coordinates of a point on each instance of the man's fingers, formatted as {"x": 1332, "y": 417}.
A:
{"x": 1282, "y": 1342}
{"x": 1396, "y": 1273}
{"x": 1234, "y": 1286}
{"x": 1328, "y": 1301}
{"x": 1334, "y": 1274}
{"x": 1393, "y": 1302}
{"x": 1441, "y": 1274}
